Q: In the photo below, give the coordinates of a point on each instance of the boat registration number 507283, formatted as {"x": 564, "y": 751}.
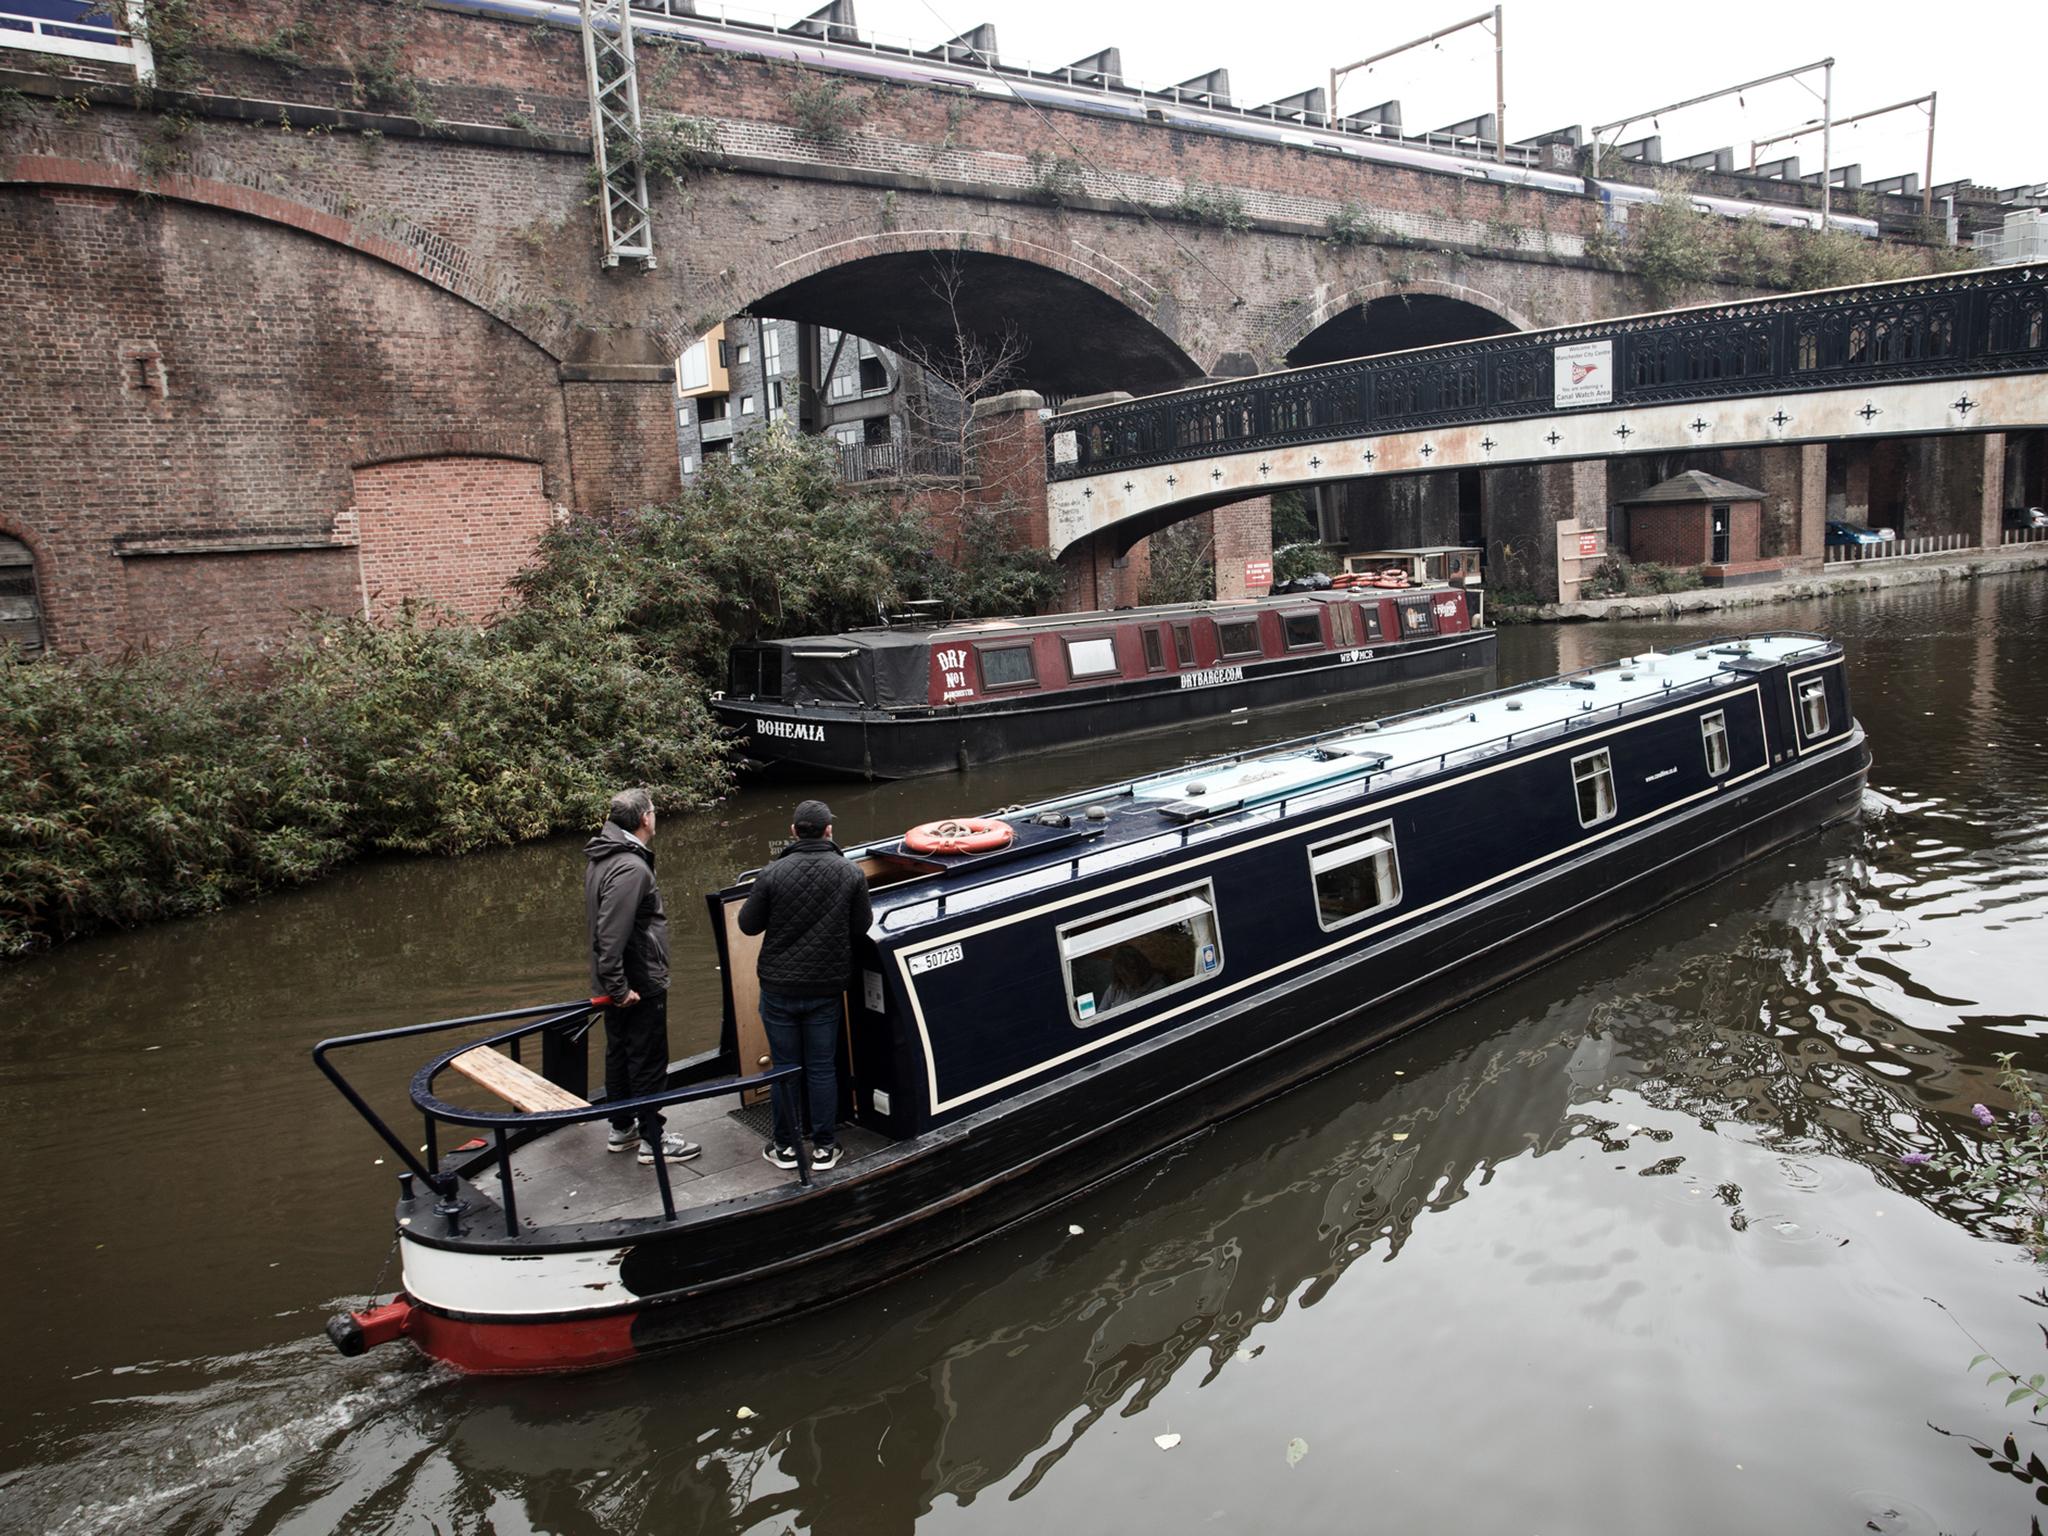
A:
{"x": 932, "y": 959}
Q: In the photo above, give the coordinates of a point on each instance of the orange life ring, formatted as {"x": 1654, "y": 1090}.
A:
{"x": 964, "y": 834}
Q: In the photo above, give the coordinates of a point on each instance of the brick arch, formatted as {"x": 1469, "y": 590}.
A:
{"x": 418, "y": 252}
{"x": 1314, "y": 317}
{"x": 852, "y": 242}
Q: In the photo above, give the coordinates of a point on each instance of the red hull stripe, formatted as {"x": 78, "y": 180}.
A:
{"x": 504, "y": 1348}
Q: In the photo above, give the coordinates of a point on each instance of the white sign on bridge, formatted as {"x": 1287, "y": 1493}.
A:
{"x": 1583, "y": 374}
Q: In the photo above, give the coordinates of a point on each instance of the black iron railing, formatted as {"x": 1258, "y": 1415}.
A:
{"x": 508, "y": 1126}
{"x": 1960, "y": 325}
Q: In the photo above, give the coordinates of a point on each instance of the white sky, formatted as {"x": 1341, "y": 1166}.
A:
{"x": 1571, "y": 62}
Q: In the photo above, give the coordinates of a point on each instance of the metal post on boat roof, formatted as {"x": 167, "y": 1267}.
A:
{"x": 668, "y": 1199}
{"x": 450, "y": 1210}
{"x": 432, "y": 1150}
{"x": 505, "y": 1181}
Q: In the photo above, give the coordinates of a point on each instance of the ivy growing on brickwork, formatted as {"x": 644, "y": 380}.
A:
{"x": 1219, "y": 206}
{"x": 825, "y": 109}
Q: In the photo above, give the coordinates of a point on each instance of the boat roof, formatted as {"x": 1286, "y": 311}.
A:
{"x": 1205, "y": 799}
{"x": 915, "y": 633}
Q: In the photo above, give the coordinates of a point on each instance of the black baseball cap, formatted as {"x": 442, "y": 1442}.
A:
{"x": 812, "y": 817}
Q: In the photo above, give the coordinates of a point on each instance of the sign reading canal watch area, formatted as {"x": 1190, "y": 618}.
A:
{"x": 1583, "y": 374}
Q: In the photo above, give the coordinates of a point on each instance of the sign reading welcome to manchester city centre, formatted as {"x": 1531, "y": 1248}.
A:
{"x": 1583, "y": 374}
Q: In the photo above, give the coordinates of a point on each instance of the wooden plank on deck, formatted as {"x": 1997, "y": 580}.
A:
{"x": 520, "y": 1086}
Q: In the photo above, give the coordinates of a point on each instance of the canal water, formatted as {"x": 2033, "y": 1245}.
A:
{"x": 1626, "y": 1246}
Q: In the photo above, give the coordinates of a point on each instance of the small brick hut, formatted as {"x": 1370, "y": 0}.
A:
{"x": 1698, "y": 519}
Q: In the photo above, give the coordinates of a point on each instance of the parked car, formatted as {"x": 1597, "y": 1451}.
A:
{"x": 2026, "y": 517}
{"x": 1840, "y": 533}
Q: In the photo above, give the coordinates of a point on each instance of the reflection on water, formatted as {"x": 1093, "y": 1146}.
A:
{"x": 1628, "y": 1237}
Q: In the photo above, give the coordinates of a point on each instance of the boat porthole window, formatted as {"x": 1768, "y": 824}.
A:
{"x": 1239, "y": 637}
{"x": 1092, "y": 657}
{"x": 1155, "y": 650}
{"x": 1184, "y": 644}
{"x": 1303, "y": 630}
{"x": 1007, "y": 666}
{"x": 1593, "y": 778}
{"x": 1355, "y": 875}
{"x": 1714, "y": 737}
{"x": 1813, "y": 706}
{"x": 1135, "y": 954}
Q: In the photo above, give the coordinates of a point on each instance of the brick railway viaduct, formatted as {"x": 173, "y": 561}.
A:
{"x": 318, "y": 320}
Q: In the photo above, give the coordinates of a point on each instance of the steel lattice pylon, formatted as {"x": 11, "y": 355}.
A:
{"x": 615, "y": 135}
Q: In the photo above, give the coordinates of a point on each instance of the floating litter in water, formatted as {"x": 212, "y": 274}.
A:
{"x": 379, "y": 1163}
{"x": 1400, "y": 1135}
{"x": 1166, "y": 1442}
{"x": 744, "y": 1413}
{"x": 1073, "y": 1231}
{"x": 1296, "y": 1449}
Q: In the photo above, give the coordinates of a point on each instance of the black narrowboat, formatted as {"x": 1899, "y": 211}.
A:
{"x": 888, "y": 703}
{"x": 1128, "y": 966}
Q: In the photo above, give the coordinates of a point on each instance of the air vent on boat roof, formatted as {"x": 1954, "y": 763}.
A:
{"x": 1196, "y": 810}
{"x": 1748, "y": 663}
{"x": 1372, "y": 762}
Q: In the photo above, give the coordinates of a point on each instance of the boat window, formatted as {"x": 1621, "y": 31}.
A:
{"x": 1139, "y": 953}
{"x": 1355, "y": 875}
{"x": 757, "y": 674}
{"x": 1417, "y": 619}
{"x": 1155, "y": 651}
{"x": 1006, "y": 666}
{"x": 1370, "y": 614}
{"x": 1240, "y": 637}
{"x": 1184, "y": 643}
{"x": 1303, "y": 629}
{"x": 1093, "y": 657}
{"x": 1714, "y": 737}
{"x": 1813, "y": 706}
{"x": 1593, "y": 777}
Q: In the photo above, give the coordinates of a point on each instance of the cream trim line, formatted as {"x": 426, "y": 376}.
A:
{"x": 1208, "y": 996}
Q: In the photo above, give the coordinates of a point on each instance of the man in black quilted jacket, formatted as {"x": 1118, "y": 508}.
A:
{"x": 811, "y": 902}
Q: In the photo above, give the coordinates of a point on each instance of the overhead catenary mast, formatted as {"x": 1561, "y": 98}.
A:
{"x": 615, "y": 131}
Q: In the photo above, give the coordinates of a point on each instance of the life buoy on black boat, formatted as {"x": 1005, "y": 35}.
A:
{"x": 964, "y": 834}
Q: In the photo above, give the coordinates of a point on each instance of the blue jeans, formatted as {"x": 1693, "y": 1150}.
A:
{"x": 804, "y": 1029}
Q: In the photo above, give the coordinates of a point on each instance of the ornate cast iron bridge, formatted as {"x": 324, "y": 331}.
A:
{"x": 1961, "y": 352}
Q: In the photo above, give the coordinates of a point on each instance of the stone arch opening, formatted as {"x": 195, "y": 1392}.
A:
{"x": 1079, "y": 335}
{"x": 1366, "y": 323}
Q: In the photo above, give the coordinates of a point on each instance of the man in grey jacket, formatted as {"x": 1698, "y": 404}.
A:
{"x": 812, "y": 905}
{"x": 629, "y": 966}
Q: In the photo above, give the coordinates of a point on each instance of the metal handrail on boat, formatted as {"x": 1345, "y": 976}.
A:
{"x": 503, "y": 1124}
{"x": 1366, "y": 777}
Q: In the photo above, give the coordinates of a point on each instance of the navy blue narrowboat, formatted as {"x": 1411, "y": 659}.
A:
{"x": 1128, "y": 966}
{"x": 890, "y": 703}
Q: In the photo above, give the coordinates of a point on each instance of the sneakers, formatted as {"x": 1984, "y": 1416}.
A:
{"x": 622, "y": 1141}
{"x": 674, "y": 1149}
{"x": 785, "y": 1157}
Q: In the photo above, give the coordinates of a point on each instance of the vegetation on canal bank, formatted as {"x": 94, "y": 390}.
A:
{"x": 163, "y": 784}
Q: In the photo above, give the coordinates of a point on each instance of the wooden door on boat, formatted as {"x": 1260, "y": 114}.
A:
{"x": 742, "y": 958}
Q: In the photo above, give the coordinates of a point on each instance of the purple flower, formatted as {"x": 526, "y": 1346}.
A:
{"x": 1915, "y": 1159}
{"x": 1984, "y": 1116}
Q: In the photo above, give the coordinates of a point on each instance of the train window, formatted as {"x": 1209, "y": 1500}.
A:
{"x": 1239, "y": 637}
{"x": 1355, "y": 875}
{"x": 1714, "y": 741}
{"x": 1184, "y": 644}
{"x": 1303, "y": 630}
{"x": 1093, "y": 657}
{"x": 1155, "y": 651}
{"x": 1007, "y": 666}
{"x": 1813, "y": 706}
{"x": 1140, "y": 953}
{"x": 1593, "y": 779}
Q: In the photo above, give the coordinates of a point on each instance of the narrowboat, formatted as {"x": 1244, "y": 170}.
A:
{"x": 887, "y": 703}
{"x": 1034, "y": 1013}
